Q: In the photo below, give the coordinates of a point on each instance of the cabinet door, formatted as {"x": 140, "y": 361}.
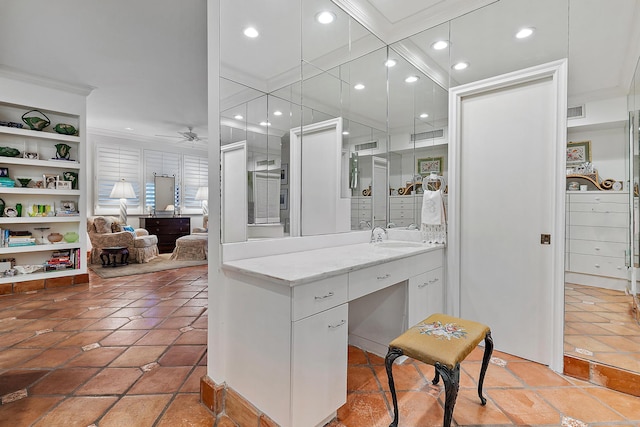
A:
{"x": 319, "y": 369}
{"x": 425, "y": 296}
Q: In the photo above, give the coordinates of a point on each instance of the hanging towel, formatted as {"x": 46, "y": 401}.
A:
{"x": 432, "y": 208}
{"x": 434, "y": 221}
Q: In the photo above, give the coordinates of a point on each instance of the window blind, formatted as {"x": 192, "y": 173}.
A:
{"x": 113, "y": 164}
{"x": 196, "y": 174}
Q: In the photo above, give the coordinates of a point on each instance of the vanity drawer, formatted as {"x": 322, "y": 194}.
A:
{"x": 599, "y": 219}
{"x": 601, "y": 234}
{"x": 590, "y": 247}
{"x": 318, "y": 296}
{"x": 622, "y": 198}
{"x": 367, "y": 280}
{"x": 598, "y": 265}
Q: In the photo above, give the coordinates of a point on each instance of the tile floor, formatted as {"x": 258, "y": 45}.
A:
{"x": 130, "y": 352}
{"x": 600, "y": 326}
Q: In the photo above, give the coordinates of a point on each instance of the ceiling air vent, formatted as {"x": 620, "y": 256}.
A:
{"x": 265, "y": 162}
{"x": 575, "y": 112}
{"x": 432, "y": 134}
{"x": 367, "y": 146}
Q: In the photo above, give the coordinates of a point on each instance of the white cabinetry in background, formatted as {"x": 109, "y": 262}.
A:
{"x": 41, "y": 204}
{"x": 597, "y": 238}
{"x": 361, "y": 210}
{"x": 405, "y": 210}
{"x": 425, "y": 295}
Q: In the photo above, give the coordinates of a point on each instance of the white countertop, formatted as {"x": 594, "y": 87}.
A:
{"x": 308, "y": 266}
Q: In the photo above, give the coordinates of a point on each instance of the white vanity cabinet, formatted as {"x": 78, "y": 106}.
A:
{"x": 597, "y": 236}
{"x": 288, "y": 322}
{"x": 425, "y": 295}
{"x": 319, "y": 365}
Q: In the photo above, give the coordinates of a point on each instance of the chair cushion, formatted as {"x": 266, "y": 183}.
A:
{"x": 102, "y": 224}
{"x": 441, "y": 338}
{"x": 145, "y": 241}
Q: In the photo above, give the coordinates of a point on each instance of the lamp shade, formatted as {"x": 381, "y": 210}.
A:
{"x": 122, "y": 190}
{"x": 202, "y": 193}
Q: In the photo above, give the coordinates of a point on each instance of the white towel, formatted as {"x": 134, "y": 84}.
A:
{"x": 432, "y": 208}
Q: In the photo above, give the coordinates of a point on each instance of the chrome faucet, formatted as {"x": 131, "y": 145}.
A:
{"x": 411, "y": 227}
{"x": 377, "y": 237}
{"x": 391, "y": 225}
{"x": 367, "y": 224}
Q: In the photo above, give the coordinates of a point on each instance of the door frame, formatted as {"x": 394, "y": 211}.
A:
{"x": 557, "y": 72}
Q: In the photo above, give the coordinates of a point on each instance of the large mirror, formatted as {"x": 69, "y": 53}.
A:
{"x": 165, "y": 194}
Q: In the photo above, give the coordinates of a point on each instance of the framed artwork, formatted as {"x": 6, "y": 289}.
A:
{"x": 4, "y": 172}
{"x": 49, "y": 181}
{"x": 68, "y": 205}
{"x": 578, "y": 152}
{"x": 284, "y": 199}
{"x": 284, "y": 174}
{"x": 63, "y": 185}
{"x": 430, "y": 164}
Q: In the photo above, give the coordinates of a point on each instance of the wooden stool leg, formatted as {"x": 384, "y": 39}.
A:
{"x": 392, "y": 355}
{"x": 451, "y": 379}
{"x": 488, "y": 350}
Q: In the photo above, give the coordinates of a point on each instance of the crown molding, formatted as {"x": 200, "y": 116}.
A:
{"x": 16, "y": 74}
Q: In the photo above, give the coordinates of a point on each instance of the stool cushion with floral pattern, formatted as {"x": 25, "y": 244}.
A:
{"x": 441, "y": 338}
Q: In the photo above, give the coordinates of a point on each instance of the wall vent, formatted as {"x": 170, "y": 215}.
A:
{"x": 576, "y": 112}
{"x": 265, "y": 162}
{"x": 367, "y": 146}
{"x": 438, "y": 133}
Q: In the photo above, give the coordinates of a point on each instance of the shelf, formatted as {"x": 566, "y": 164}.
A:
{"x": 38, "y": 191}
{"x": 37, "y": 248}
{"x": 38, "y": 219}
{"x": 42, "y": 275}
{"x": 38, "y": 134}
{"x": 53, "y": 163}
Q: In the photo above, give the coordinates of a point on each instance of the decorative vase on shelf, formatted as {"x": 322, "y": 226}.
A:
{"x": 71, "y": 237}
{"x": 63, "y": 151}
{"x": 54, "y": 237}
{"x": 35, "y": 122}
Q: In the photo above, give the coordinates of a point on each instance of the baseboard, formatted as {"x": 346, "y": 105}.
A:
{"x": 606, "y": 376}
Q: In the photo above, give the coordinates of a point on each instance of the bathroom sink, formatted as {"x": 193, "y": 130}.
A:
{"x": 398, "y": 244}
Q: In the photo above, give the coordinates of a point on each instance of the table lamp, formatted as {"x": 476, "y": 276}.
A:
{"x": 123, "y": 190}
{"x": 203, "y": 194}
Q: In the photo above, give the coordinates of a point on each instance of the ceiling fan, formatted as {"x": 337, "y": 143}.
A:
{"x": 188, "y": 136}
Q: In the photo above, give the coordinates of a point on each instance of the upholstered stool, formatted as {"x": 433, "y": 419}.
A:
{"x": 191, "y": 248}
{"x": 442, "y": 341}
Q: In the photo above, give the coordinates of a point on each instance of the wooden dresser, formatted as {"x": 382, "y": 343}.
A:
{"x": 168, "y": 230}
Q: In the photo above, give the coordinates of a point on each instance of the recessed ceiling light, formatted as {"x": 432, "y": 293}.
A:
{"x": 325, "y": 17}
{"x": 412, "y": 79}
{"x": 524, "y": 33}
{"x": 265, "y": 124}
{"x": 390, "y": 63}
{"x": 460, "y": 66}
{"x": 238, "y": 117}
{"x": 346, "y": 132}
{"x": 128, "y": 128}
{"x": 359, "y": 86}
{"x": 440, "y": 44}
{"x": 251, "y": 32}
{"x": 277, "y": 113}
{"x": 424, "y": 115}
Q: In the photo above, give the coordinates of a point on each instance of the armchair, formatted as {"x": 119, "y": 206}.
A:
{"x": 105, "y": 231}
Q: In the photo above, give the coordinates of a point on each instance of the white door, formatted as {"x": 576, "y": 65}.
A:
{"x": 507, "y": 169}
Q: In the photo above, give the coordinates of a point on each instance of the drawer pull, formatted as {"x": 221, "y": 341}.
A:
{"x": 386, "y": 276}
{"x": 597, "y": 265}
{"x": 337, "y": 325}
{"x": 329, "y": 295}
{"x": 423, "y": 285}
{"x": 597, "y": 248}
{"x": 434, "y": 280}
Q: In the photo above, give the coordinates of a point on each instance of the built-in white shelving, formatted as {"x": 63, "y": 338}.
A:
{"x": 62, "y": 104}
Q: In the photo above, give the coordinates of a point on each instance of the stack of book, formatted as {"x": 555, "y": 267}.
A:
{"x": 20, "y": 238}
{"x": 62, "y": 259}
{"x": 7, "y": 182}
{"x": 59, "y": 260}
